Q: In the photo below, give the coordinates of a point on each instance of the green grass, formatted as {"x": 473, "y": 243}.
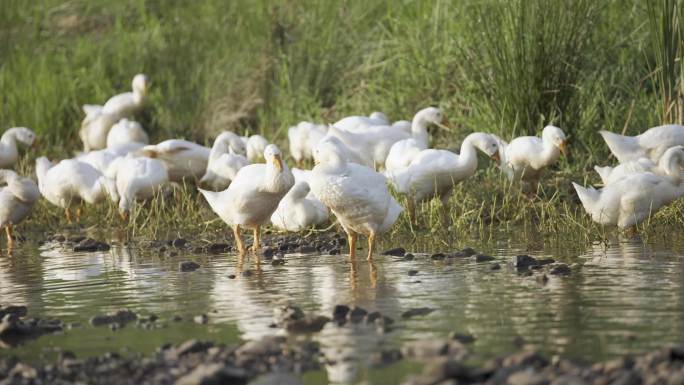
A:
{"x": 506, "y": 67}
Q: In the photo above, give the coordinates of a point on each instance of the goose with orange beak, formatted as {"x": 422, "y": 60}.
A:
{"x": 253, "y": 196}
{"x": 525, "y": 157}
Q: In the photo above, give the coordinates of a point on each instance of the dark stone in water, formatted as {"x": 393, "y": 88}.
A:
{"x": 437, "y": 256}
{"x": 13, "y": 330}
{"x": 542, "y": 279}
{"x": 462, "y": 338}
{"x": 522, "y": 262}
{"x": 19, "y": 311}
{"x": 409, "y": 257}
{"x": 545, "y": 261}
{"x": 283, "y": 314}
{"x": 201, "y": 319}
{"x": 278, "y": 262}
{"x": 340, "y": 313}
{"x": 560, "y": 269}
{"x": 378, "y": 319}
{"x": 188, "y": 266}
{"x": 495, "y": 266}
{"x": 246, "y": 273}
{"x": 231, "y": 276}
{"x": 76, "y": 239}
{"x": 216, "y": 248}
{"x": 483, "y": 258}
{"x": 121, "y": 317}
{"x": 356, "y": 314}
{"x": 465, "y": 253}
{"x": 90, "y": 245}
{"x": 179, "y": 243}
{"x": 334, "y": 252}
{"x": 412, "y": 273}
{"x": 385, "y": 357}
{"x": 395, "y": 252}
{"x": 420, "y": 311}
{"x": 176, "y": 318}
{"x": 306, "y": 249}
{"x": 308, "y": 324}
{"x": 268, "y": 251}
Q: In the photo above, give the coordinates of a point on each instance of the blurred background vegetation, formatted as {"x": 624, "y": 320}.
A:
{"x": 507, "y": 67}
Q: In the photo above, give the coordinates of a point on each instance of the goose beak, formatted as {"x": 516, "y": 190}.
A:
{"x": 444, "y": 125}
{"x": 278, "y": 162}
{"x": 496, "y": 158}
{"x": 564, "y": 148}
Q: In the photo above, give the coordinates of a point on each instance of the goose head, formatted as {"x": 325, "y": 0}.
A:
{"x": 429, "y": 115}
{"x": 672, "y": 162}
{"x": 140, "y": 84}
{"x": 24, "y": 135}
{"x": 331, "y": 154}
{"x": 300, "y": 190}
{"x": 230, "y": 142}
{"x": 379, "y": 116}
{"x": 279, "y": 178}
{"x": 486, "y": 143}
{"x": 554, "y": 136}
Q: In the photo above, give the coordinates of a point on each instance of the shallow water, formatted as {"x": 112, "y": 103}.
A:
{"x": 622, "y": 297}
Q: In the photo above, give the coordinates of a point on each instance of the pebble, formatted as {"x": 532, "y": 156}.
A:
{"x": 409, "y": 257}
{"x": 90, "y": 245}
{"x": 120, "y": 317}
{"x": 188, "y": 266}
{"x": 308, "y": 324}
{"x": 216, "y": 248}
{"x": 560, "y": 269}
{"x": 437, "y": 256}
{"x": 495, "y": 266}
{"x": 395, "y": 252}
{"x": 178, "y": 243}
{"x": 201, "y": 319}
{"x": 467, "y": 252}
{"x": 417, "y": 312}
{"x": 462, "y": 338}
{"x": 356, "y": 314}
{"x": 412, "y": 273}
{"x": 523, "y": 262}
{"x": 340, "y": 313}
{"x": 214, "y": 373}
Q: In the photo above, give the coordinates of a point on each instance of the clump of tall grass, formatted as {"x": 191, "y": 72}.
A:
{"x": 666, "y": 26}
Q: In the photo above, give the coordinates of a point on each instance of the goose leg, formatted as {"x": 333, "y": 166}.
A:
{"x": 67, "y": 213}
{"x": 79, "y": 211}
{"x": 10, "y": 238}
{"x": 411, "y": 206}
{"x": 238, "y": 239}
{"x": 352, "y": 244}
{"x": 255, "y": 245}
{"x": 371, "y": 245}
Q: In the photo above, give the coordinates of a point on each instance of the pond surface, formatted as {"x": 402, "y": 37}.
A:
{"x": 623, "y": 296}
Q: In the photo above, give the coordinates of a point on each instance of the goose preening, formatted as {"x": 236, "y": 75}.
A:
{"x": 525, "y": 157}
{"x": 125, "y": 132}
{"x": 71, "y": 181}
{"x": 666, "y": 166}
{"x": 137, "y": 179}
{"x": 9, "y": 154}
{"x": 100, "y": 119}
{"x": 297, "y": 212}
{"x": 651, "y": 144}
{"x": 226, "y": 158}
{"x": 183, "y": 159}
{"x": 374, "y": 143}
{"x": 253, "y": 196}
{"x": 632, "y": 199}
{"x": 17, "y": 197}
{"x": 356, "y": 194}
{"x": 433, "y": 173}
{"x": 356, "y": 123}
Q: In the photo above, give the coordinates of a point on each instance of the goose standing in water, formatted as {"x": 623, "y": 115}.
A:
{"x": 525, "y": 157}
{"x": 9, "y": 153}
{"x": 226, "y": 158}
{"x": 17, "y": 197}
{"x": 100, "y": 119}
{"x": 433, "y": 173}
{"x": 253, "y": 196}
{"x": 72, "y": 181}
{"x": 356, "y": 194}
{"x": 652, "y": 144}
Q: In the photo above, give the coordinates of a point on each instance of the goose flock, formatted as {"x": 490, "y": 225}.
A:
{"x": 247, "y": 182}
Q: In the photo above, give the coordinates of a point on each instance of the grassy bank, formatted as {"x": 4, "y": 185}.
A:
{"x": 260, "y": 66}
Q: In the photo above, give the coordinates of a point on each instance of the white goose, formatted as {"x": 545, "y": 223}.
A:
{"x": 256, "y": 145}
{"x": 101, "y": 160}
{"x": 297, "y": 212}
{"x": 8, "y": 144}
{"x": 253, "y": 196}
{"x": 373, "y": 145}
{"x": 359, "y": 123}
{"x": 525, "y": 157}
{"x": 630, "y": 200}
{"x": 183, "y": 159}
{"x": 125, "y": 132}
{"x": 17, "y": 198}
{"x": 651, "y": 144}
{"x": 433, "y": 173}
{"x": 357, "y": 195}
{"x": 137, "y": 179}
{"x": 303, "y": 138}
{"x": 100, "y": 119}
{"x": 71, "y": 181}
{"x": 225, "y": 160}
{"x": 610, "y": 174}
